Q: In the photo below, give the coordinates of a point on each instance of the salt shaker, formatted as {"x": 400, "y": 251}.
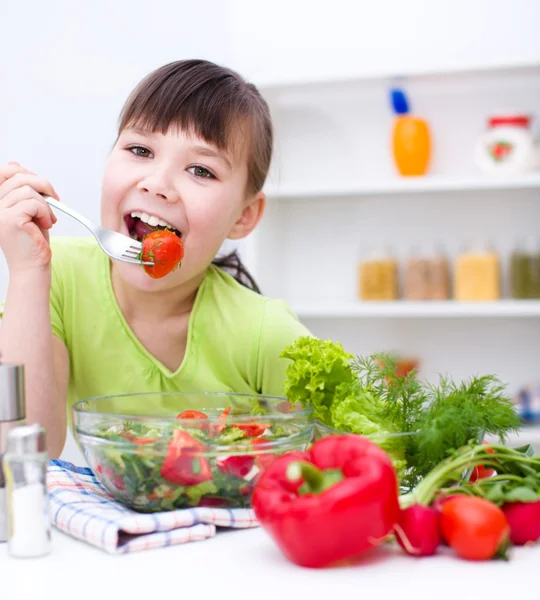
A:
{"x": 25, "y": 470}
{"x": 12, "y": 414}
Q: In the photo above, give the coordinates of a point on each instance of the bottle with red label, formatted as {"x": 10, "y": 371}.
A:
{"x": 508, "y": 146}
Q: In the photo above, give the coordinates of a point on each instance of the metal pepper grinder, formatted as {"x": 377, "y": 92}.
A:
{"x": 12, "y": 414}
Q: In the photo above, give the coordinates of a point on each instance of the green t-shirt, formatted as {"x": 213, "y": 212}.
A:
{"x": 234, "y": 339}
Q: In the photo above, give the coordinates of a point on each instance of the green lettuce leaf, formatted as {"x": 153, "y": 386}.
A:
{"x": 197, "y": 491}
{"x": 361, "y": 411}
{"x": 228, "y": 437}
{"x": 318, "y": 368}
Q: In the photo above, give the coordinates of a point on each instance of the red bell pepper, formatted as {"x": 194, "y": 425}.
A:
{"x": 330, "y": 503}
{"x": 183, "y": 464}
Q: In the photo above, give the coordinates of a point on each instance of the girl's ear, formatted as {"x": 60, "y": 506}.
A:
{"x": 250, "y": 217}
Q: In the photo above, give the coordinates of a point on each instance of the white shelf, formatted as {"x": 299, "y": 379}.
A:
{"x": 472, "y": 72}
{"x": 423, "y": 310}
{"x": 409, "y": 185}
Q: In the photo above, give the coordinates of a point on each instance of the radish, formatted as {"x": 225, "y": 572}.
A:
{"x": 440, "y": 500}
{"x": 418, "y": 530}
{"x": 524, "y": 520}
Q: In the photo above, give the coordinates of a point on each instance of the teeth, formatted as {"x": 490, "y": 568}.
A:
{"x": 152, "y": 220}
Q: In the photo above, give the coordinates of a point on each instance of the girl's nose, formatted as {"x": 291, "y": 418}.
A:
{"x": 158, "y": 185}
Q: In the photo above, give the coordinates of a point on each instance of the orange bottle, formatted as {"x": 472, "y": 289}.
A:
{"x": 411, "y": 138}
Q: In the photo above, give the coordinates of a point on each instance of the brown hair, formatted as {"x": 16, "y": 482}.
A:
{"x": 217, "y": 105}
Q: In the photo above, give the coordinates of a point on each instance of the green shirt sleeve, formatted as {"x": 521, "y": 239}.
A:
{"x": 280, "y": 327}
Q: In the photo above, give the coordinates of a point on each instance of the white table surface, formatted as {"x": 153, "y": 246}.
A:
{"x": 244, "y": 564}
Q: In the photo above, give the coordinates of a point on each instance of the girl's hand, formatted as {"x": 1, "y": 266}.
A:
{"x": 25, "y": 218}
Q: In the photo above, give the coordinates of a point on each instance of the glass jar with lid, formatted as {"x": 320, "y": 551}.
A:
{"x": 525, "y": 269}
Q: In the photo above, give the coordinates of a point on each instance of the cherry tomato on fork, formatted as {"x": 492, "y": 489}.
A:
{"x": 165, "y": 250}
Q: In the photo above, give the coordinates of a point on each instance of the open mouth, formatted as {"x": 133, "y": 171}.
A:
{"x": 140, "y": 224}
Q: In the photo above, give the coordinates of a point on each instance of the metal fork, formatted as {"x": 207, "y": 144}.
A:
{"x": 116, "y": 245}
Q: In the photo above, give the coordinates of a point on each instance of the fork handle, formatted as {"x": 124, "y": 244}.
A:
{"x": 69, "y": 211}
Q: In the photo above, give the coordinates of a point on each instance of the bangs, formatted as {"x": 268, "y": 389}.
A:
{"x": 210, "y": 103}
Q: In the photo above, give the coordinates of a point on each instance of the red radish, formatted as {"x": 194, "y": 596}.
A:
{"x": 524, "y": 520}
{"x": 418, "y": 530}
{"x": 481, "y": 472}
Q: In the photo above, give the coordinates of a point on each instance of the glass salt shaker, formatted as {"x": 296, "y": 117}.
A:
{"x": 25, "y": 470}
{"x": 12, "y": 414}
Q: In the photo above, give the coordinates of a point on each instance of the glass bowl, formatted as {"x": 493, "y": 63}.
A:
{"x": 157, "y": 452}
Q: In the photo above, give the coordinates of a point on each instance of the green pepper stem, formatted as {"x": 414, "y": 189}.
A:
{"x": 301, "y": 470}
{"x": 315, "y": 480}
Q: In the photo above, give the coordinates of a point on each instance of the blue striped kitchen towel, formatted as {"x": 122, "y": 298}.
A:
{"x": 81, "y": 507}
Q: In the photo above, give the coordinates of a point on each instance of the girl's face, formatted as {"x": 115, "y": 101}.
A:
{"x": 182, "y": 181}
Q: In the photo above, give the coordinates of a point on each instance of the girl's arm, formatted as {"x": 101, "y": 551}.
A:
{"x": 26, "y": 338}
{"x": 25, "y": 333}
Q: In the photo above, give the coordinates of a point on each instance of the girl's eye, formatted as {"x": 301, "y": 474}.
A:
{"x": 141, "y": 151}
{"x": 201, "y": 172}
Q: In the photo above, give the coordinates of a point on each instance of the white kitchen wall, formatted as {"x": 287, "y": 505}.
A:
{"x": 66, "y": 69}
{"x": 299, "y": 40}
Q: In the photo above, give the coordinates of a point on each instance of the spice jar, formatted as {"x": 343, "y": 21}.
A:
{"x": 25, "y": 469}
{"x": 525, "y": 270}
{"x": 477, "y": 275}
{"x": 440, "y": 277}
{"x": 427, "y": 276}
{"x": 379, "y": 277}
{"x": 417, "y": 277}
{"x": 12, "y": 414}
{"x": 508, "y": 145}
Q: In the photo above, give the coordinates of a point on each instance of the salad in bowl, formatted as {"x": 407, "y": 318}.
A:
{"x": 162, "y": 451}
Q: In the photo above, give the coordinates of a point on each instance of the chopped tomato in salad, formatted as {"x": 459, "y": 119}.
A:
{"x": 172, "y": 465}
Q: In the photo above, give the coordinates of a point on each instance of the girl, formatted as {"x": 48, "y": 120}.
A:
{"x": 193, "y": 151}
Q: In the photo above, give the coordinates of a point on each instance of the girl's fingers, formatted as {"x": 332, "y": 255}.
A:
{"x": 30, "y": 206}
{"x": 9, "y": 170}
{"x": 14, "y": 162}
{"x": 20, "y": 179}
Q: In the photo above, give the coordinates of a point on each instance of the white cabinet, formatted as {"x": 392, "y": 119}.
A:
{"x": 334, "y": 194}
